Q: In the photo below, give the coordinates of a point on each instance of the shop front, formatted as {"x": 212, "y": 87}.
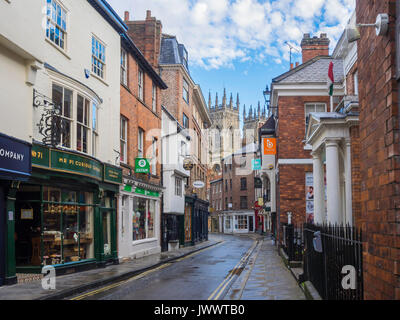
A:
{"x": 239, "y": 222}
{"x": 15, "y": 167}
{"x": 194, "y": 224}
{"x": 65, "y": 215}
{"x": 139, "y": 219}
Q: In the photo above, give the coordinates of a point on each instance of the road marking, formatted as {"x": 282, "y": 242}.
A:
{"x": 221, "y": 288}
{"x": 112, "y": 286}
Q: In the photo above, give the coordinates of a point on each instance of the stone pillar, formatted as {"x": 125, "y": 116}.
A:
{"x": 349, "y": 189}
{"x": 319, "y": 188}
{"x": 334, "y": 202}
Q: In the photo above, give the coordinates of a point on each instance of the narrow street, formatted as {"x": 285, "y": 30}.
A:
{"x": 216, "y": 273}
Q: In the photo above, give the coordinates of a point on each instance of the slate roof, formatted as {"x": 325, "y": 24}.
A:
{"x": 172, "y": 52}
{"x": 314, "y": 70}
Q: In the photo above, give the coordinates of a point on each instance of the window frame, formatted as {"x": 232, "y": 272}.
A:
{"x": 49, "y": 20}
{"x": 140, "y": 143}
{"x": 185, "y": 90}
{"x": 102, "y": 71}
{"x": 154, "y": 98}
{"x": 185, "y": 117}
{"x": 315, "y": 108}
{"x": 140, "y": 84}
{"x": 124, "y": 67}
{"x": 154, "y": 156}
{"x": 123, "y": 140}
{"x": 178, "y": 187}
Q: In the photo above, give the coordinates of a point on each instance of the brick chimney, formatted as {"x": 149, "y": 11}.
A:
{"x": 314, "y": 47}
{"x": 146, "y": 34}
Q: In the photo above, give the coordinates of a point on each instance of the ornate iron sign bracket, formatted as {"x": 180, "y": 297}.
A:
{"x": 51, "y": 124}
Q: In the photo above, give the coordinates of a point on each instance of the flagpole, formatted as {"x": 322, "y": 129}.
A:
{"x": 331, "y": 104}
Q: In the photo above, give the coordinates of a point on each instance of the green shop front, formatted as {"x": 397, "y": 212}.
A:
{"x": 65, "y": 215}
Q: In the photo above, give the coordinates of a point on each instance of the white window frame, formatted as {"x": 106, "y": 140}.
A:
{"x": 69, "y": 119}
{"x": 85, "y": 124}
{"x": 178, "y": 187}
{"x": 315, "y": 108}
{"x": 124, "y": 67}
{"x": 141, "y": 84}
{"x": 355, "y": 80}
{"x": 50, "y": 22}
{"x": 124, "y": 139}
{"x": 99, "y": 57}
{"x": 154, "y": 98}
{"x": 140, "y": 143}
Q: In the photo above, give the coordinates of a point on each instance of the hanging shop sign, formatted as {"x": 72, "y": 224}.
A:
{"x": 142, "y": 165}
{"x": 63, "y": 161}
{"x": 199, "y": 184}
{"x": 256, "y": 164}
{"x": 15, "y": 158}
{"x": 188, "y": 164}
{"x": 270, "y": 146}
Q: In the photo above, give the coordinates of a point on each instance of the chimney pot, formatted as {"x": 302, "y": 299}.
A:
{"x": 126, "y": 15}
{"x": 297, "y": 64}
{"x": 291, "y": 66}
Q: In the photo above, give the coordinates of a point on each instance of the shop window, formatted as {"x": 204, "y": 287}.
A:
{"x": 144, "y": 211}
{"x": 241, "y": 222}
{"x": 67, "y": 226}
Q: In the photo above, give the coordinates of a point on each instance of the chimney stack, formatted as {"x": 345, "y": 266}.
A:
{"x": 126, "y": 16}
{"x": 148, "y": 14}
{"x": 314, "y": 47}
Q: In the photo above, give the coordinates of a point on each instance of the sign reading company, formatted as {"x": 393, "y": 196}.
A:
{"x": 15, "y": 158}
{"x": 64, "y": 161}
{"x": 142, "y": 165}
{"x": 270, "y": 146}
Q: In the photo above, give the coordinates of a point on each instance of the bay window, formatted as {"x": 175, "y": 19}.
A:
{"x": 62, "y": 98}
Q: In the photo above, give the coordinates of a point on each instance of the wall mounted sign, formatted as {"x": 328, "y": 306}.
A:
{"x": 256, "y": 164}
{"x": 142, "y": 165}
{"x": 145, "y": 192}
{"x": 269, "y": 146}
{"x": 26, "y": 214}
{"x": 15, "y": 158}
{"x": 64, "y": 161}
{"x": 199, "y": 184}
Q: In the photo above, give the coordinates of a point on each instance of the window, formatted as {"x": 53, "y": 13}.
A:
{"x": 140, "y": 143}
{"x": 231, "y": 184}
{"x": 63, "y": 98}
{"x": 241, "y": 222}
{"x": 144, "y": 212}
{"x": 355, "y": 80}
{"x": 140, "y": 84}
{"x": 178, "y": 187}
{"x": 154, "y": 157}
{"x": 95, "y": 133}
{"x": 185, "y": 121}
{"x": 124, "y": 67}
{"x": 226, "y": 185}
{"x": 226, "y": 203}
{"x": 83, "y": 126}
{"x": 56, "y": 26}
{"x": 154, "y": 98}
{"x": 98, "y": 57}
{"x": 314, "y": 107}
{"x": 243, "y": 203}
{"x": 243, "y": 184}
{"x": 124, "y": 140}
{"x": 185, "y": 91}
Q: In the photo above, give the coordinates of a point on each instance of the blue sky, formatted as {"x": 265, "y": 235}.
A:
{"x": 240, "y": 44}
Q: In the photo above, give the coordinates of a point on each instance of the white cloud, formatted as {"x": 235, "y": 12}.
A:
{"x": 219, "y": 32}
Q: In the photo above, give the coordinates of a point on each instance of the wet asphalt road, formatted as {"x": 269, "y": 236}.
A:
{"x": 193, "y": 278}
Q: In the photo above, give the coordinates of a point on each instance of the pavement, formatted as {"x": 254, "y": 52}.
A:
{"x": 265, "y": 277}
{"x": 76, "y": 283}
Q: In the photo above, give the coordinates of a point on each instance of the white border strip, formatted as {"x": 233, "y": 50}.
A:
{"x": 295, "y": 161}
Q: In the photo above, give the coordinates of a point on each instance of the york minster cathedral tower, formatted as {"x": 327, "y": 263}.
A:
{"x": 252, "y": 122}
{"x": 224, "y": 134}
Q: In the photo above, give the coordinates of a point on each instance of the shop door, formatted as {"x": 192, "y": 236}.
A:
{"x": 251, "y": 224}
{"x": 106, "y": 223}
{"x": 188, "y": 224}
{"x": 2, "y": 237}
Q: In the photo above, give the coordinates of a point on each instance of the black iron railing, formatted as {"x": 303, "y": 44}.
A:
{"x": 333, "y": 261}
{"x": 293, "y": 242}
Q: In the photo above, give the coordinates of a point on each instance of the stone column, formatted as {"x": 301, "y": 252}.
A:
{"x": 349, "y": 189}
{"x": 334, "y": 202}
{"x": 319, "y": 188}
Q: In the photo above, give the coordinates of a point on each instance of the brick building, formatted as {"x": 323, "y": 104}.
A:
{"x": 184, "y": 100}
{"x": 294, "y": 95}
{"x": 140, "y": 142}
{"x": 216, "y": 208}
{"x": 378, "y": 62}
{"x": 238, "y": 191}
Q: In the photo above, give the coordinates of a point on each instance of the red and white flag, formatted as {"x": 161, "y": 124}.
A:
{"x": 331, "y": 79}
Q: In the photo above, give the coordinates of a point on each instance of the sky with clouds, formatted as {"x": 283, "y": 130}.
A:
{"x": 241, "y": 44}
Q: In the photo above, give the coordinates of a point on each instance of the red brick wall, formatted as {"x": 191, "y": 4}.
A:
{"x": 380, "y": 150}
{"x": 139, "y": 114}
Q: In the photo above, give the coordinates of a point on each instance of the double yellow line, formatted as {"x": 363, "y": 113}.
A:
{"x": 221, "y": 288}
{"x": 112, "y": 286}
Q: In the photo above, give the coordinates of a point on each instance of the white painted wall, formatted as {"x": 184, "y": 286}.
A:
{"x": 21, "y": 30}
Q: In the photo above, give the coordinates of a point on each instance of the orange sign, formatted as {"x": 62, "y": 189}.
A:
{"x": 270, "y": 146}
